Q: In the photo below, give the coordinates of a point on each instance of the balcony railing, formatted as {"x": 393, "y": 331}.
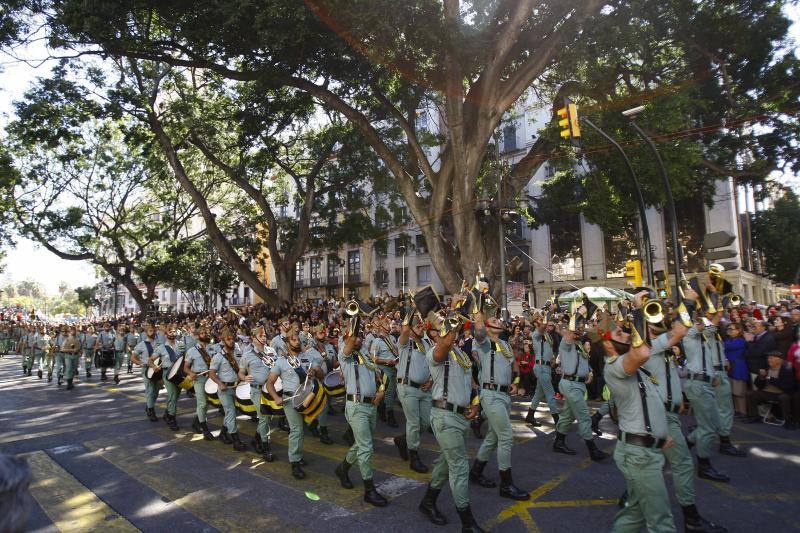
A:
{"x": 334, "y": 280}
{"x": 354, "y": 277}
{"x": 316, "y": 282}
{"x": 300, "y": 283}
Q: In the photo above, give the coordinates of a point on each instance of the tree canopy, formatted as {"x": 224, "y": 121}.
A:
{"x": 775, "y": 234}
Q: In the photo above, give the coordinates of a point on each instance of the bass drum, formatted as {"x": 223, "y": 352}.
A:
{"x": 309, "y": 400}
{"x": 155, "y": 375}
{"x": 104, "y": 359}
{"x": 242, "y": 399}
{"x": 334, "y": 383}
{"x": 178, "y": 377}
{"x": 268, "y": 405}
{"x": 212, "y": 392}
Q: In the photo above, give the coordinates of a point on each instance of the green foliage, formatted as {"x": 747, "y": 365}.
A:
{"x": 775, "y": 234}
{"x": 29, "y": 294}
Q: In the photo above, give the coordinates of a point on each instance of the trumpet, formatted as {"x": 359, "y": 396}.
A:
{"x": 653, "y": 311}
{"x": 735, "y": 300}
{"x": 352, "y": 308}
{"x": 451, "y": 322}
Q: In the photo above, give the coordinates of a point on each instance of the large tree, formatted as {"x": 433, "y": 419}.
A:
{"x": 775, "y": 234}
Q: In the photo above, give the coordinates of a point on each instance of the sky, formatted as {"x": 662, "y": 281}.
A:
{"x": 30, "y": 261}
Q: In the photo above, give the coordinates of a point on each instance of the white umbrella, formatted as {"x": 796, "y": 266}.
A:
{"x": 595, "y": 294}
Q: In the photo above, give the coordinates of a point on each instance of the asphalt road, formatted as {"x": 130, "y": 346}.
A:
{"x": 99, "y": 464}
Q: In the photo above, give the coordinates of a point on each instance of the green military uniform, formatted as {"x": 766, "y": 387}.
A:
{"x": 41, "y": 346}
{"x": 311, "y": 358}
{"x": 27, "y": 347}
{"x": 60, "y": 364}
{"x": 120, "y": 345}
{"x": 199, "y": 361}
{"x": 451, "y": 391}
{"x": 227, "y": 375}
{"x": 543, "y": 353}
{"x": 71, "y": 348}
{"x": 287, "y": 371}
{"x": 385, "y": 348}
{"x": 723, "y": 389}
{"x": 413, "y": 372}
{"x": 700, "y": 392}
{"x": 169, "y": 353}
{"x": 253, "y": 365}
{"x": 131, "y": 340}
{"x": 496, "y": 373}
{"x": 143, "y": 350}
{"x": 105, "y": 340}
{"x": 643, "y": 432}
{"x": 575, "y": 371}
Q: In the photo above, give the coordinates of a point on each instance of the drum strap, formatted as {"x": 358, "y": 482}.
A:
{"x": 170, "y": 353}
{"x": 390, "y": 345}
{"x": 204, "y": 355}
{"x": 149, "y": 346}
{"x": 231, "y": 360}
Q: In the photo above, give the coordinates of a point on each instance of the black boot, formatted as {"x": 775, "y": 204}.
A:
{"x": 596, "y": 418}
{"x": 560, "y": 445}
{"x": 224, "y": 437}
{"x": 382, "y": 411}
{"x": 402, "y": 446}
{"x": 196, "y": 425}
{"x": 415, "y": 464}
{"x": 116, "y": 379}
{"x": 60, "y": 380}
{"x": 313, "y": 427}
{"x": 172, "y": 422}
{"x": 509, "y": 490}
{"x": 623, "y": 500}
{"x": 257, "y": 443}
{"x": 706, "y": 471}
{"x": 390, "y": 420}
{"x": 372, "y": 496}
{"x": 151, "y": 414}
{"x": 88, "y": 374}
{"x": 70, "y": 386}
{"x": 428, "y": 506}
{"x": 207, "y": 435}
{"x": 726, "y": 447}
{"x": 341, "y": 472}
{"x": 324, "y": 437}
{"x": 595, "y": 453}
{"x": 468, "y": 523}
{"x": 39, "y": 373}
{"x": 531, "y": 419}
{"x": 297, "y": 471}
{"x": 555, "y": 419}
{"x": 238, "y": 445}
{"x": 266, "y": 452}
{"x": 130, "y": 368}
{"x": 348, "y": 436}
{"x": 103, "y": 376}
{"x": 476, "y": 427}
{"x": 692, "y": 521}
{"x": 476, "y": 475}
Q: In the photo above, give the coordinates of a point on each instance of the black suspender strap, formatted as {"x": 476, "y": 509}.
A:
{"x": 703, "y": 353}
{"x": 643, "y": 395}
{"x": 668, "y": 368}
{"x": 491, "y": 364}
{"x": 446, "y": 377}
{"x": 356, "y": 362}
{"x": 408, "y": 362}
{"x": 541, "y": 350}
{"x": 577, "y": 360}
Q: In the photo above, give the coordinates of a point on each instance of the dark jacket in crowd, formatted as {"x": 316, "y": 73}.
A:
{"x": 757, "y": 350}
{"x": 783, "y": 340}
{"x": 784, "y": 381}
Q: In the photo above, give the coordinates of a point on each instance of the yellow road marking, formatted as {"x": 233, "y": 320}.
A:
{"x": 69, "y": 504}
{"x": 768, "y": 436}
{"x": 572, "y": 503}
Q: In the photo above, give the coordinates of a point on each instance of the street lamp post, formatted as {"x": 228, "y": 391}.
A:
{"x": 676, "y": 247}
{"x": 645, "y": 234}
{"x": 403, "y": 271}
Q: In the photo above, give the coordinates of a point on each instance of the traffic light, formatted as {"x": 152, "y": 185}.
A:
{"x": 633, "y": 271}
{"x": 662, "y": 285}
{"x": 568, "y": 124}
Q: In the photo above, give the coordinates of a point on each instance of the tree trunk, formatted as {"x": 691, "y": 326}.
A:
{"x": 284, "y": 278}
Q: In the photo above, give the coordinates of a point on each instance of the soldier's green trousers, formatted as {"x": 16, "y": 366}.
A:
{"x": 391, "y": 386}
{"x": 72, "y": 364}
{"x": 255, "y": 396}
{"x": 680, "y": 461}
{"x": 451, "y": 431}
{"x": 27, "y": 360}
{"x": 119, "y": 357}
{"x": 417, "y": 410}
{"x": 648, "y": 501}
{"x": 201, "y": 402}
{"x": 362, "y": 418}
{"x": 296, "y": 431}
{"x": 150, "y": 389}
{"x": 60, "y": 364}
{"x": 544, "y": 387}
{"x": 575, "y": 408}
{"x": 497, "y": 408}
{"x": 173, "y": 393}
{"x": 88, "y": 355}
{"x": 704, "y": 405}
{"x": 228, "y": 407}
{"x": 322, "y": 417}
{"x": 724, "y": 404}
{"x": 38, "y": 358}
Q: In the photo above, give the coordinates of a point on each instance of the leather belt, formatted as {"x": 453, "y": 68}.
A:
{"x": 672, "y": 408}
{"x": 229, "y": 383}
{"x": 495, "y": 386}
{"x": 574, "y": 378}
{"x": 645, "y": 441}
{"x": 447, "y": 406}
{"x": 409, "y": 382}
{"x": 700, "y": 377}
{"x": 355, "y": 398}
{"x": 719, "y": 367}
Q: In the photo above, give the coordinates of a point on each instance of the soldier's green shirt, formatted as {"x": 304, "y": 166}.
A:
{"x": 169, "y": 356}
{"x": 698, "y": 357}
{"x": 287, "y": 373}
{"x": 106, "y": 339}
{"x": 628, "y": 400}
{"x": 142, "y": 352}
{"x": 252, "y": 364}
{"x": 384, "y": 348}
{"x": 195, "y": 359}
{"x": 495, "y": 366}
{"x": 413, "y": 362}
{"x": 574, "y": 361}
{"x": 714, "y": 347}
{"x": 542, "y": 346}
{"x": 661, "y": 364}
{"x": 459, "y": 379}
{"x": 311, "y": 358}
{"x": 358, "y": 377}
{"x": 225, "y": 371}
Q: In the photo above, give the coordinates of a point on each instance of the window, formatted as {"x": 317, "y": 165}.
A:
{"x": 510, "y": 137}
{"x": 421, "y": 245}
{"x": 354, "y": 263}
{"x": 401, "y": 245}
{"x": 566, "y": 249}
{"x": 401, "y": 277}
{"x": 283, "y": 211}
{"x": 549, "y": 171}
{"x": 422, "y": 121}
{"x": 333, "y": 267}
{"x": 299, "y": 268}
{"x": 315, "y": 268}
{"x": 423, "y": 275}
{"x": 246, "y": 293}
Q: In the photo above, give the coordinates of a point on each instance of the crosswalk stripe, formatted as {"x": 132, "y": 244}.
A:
{"x": 69, "y": 505}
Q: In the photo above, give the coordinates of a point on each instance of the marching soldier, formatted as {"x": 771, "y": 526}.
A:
{"x": 131, "y": 340}
{"x": 365, "y": 390}
{"x": 120, "y": 350}
{"x": 144, "y": 350}
{"x": 278, "y": 342}
{"x": 223, "y": 371}
{"x": 384, "y": 352}
{"x": 311, "y": 359}
{"x": 414, "y": 390}
{"x": 60, "y": 364}
{"x": 196, "y": 365}
{"x": 543, "y": 354}
{"x": 168, "y": 353}
{"x": 254, "y": 371}
{"x": 328, "y": 353}
{"x": 71, "y": 348}
{"x": 26, "y": 347}
{"x": 105, "y": 341}
{"x": 88, "y": 344}
{"x": 576, "y": 375}
{"x": 499, "y": 378}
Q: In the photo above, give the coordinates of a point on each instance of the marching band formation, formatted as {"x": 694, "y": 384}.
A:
{"x": 441, "y": 382}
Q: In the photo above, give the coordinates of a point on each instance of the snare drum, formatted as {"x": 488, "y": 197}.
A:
{"x": 309, "y": 400}
{"x": 268, "y": 405}
{"x": 178, "y": 377}
{"x": 212, "y": 392}
{"x": 154, "y": 375}
{"x": 104, "y": 358}
{"x": 242, "y": 398}
{"x": 334, "y": 383}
